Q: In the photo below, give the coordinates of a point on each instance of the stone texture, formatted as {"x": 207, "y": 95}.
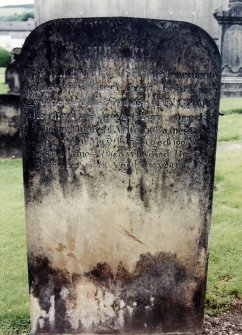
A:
{"x": 119, "y": 122}
{"x": 230, "y": 21}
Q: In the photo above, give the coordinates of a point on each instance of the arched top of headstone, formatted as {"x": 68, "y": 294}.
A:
{"x": 142, "y": 32}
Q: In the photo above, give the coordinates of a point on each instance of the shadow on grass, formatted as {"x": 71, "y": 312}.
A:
{"x": 232, "y": 111}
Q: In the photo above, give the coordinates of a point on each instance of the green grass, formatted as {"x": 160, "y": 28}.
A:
{"x": 225, "y": 262}
{"x": 13, "y": 274}
{"x": 3, "y": 87}
{"x": 231, "y": 105}
{"x": 230, "y": 128}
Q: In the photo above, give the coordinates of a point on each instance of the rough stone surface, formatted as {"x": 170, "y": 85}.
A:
{"x": 10, "y": 141}
{"x": 119, "y": 122}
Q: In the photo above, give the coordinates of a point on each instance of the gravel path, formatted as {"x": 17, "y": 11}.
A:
{"x": 229, "y": 323}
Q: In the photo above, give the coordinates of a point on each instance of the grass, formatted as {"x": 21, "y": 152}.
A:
{"x": 230, "y": 128}
{"x": 231, "y": 105}
{"x": 3, "y": 87}
{"x": 225, "y": 262}
{"x": 13, "y": 279}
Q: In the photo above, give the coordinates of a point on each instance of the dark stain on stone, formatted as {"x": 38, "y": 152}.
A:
{"x": 44, "y": 282}
{"x": 49, "y": 47}
{"x": 141, "y": 127}
{"x": 123, "y": 275}
{"x": 125, "y": 51}
{"x": 142, "y": 192}
{"x": 199, "y": 294}
{"x": 62, "y": 324}
{"x": 141, "y": 189}
{"x": 129, "y": 188}
{"x": 38, "y": 275}
{"x": 101, "y": 273}
{"x": 203, "y": 240}
{"x": 126, "y": 109}
{"x": 157, "y": 292}
{"x": 129, "y": 169}
{"x": 128, "y": 135}
{"x": 62, "y": 159}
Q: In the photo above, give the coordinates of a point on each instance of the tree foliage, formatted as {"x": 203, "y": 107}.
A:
{"x": 18, "y": 17}
{"x": 4, "y": 57}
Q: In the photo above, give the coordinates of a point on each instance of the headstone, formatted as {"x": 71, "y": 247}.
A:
{"x": 119, "y": 121}
{"x": 230, "y": 21}
{"x": 10, "y": 140}
{"x": 12, "y": 72}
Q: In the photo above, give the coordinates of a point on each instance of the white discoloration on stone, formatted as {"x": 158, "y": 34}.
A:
{"x": 51, "y": 313}
{"x": 37, "y": 313}
{"x": 130, "y": 310}
{"x": 122, "y": 304}
{"x": 74, "y": 237}
{"x": 121, "y": 318}
{"x": 92, "y": 306}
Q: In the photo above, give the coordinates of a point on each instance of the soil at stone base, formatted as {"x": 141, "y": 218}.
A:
{"x": 227, "y": 323}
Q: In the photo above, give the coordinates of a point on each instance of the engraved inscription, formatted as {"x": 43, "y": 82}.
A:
{"x": 112, "y": 119}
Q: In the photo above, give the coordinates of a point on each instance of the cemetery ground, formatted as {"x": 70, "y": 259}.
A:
{"x": 224, "y": 289}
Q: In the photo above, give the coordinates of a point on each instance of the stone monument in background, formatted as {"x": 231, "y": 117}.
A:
{"x": 230, "y": 21}
{"x": 119, "y": 123}
{"x": 10, "y": 138}
{"x": 12, "y": 72}
{"x": 199, "y": 12}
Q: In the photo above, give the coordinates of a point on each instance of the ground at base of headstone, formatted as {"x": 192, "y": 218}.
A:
{"x": 227, "y": 323}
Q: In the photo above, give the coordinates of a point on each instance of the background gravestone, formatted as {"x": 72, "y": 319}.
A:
{"x": 10, "y": 139}
{"x": 12, "y": 72}
{"x": 119, "y": 122}
{"x": 230, "y": 21}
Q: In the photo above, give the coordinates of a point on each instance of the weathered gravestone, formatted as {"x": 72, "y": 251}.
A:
{"x": 12, "y": 72}
{"x": 119, "y": 121}
{"x": 230, "y": 22}
{"x": 10, "y": 139}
